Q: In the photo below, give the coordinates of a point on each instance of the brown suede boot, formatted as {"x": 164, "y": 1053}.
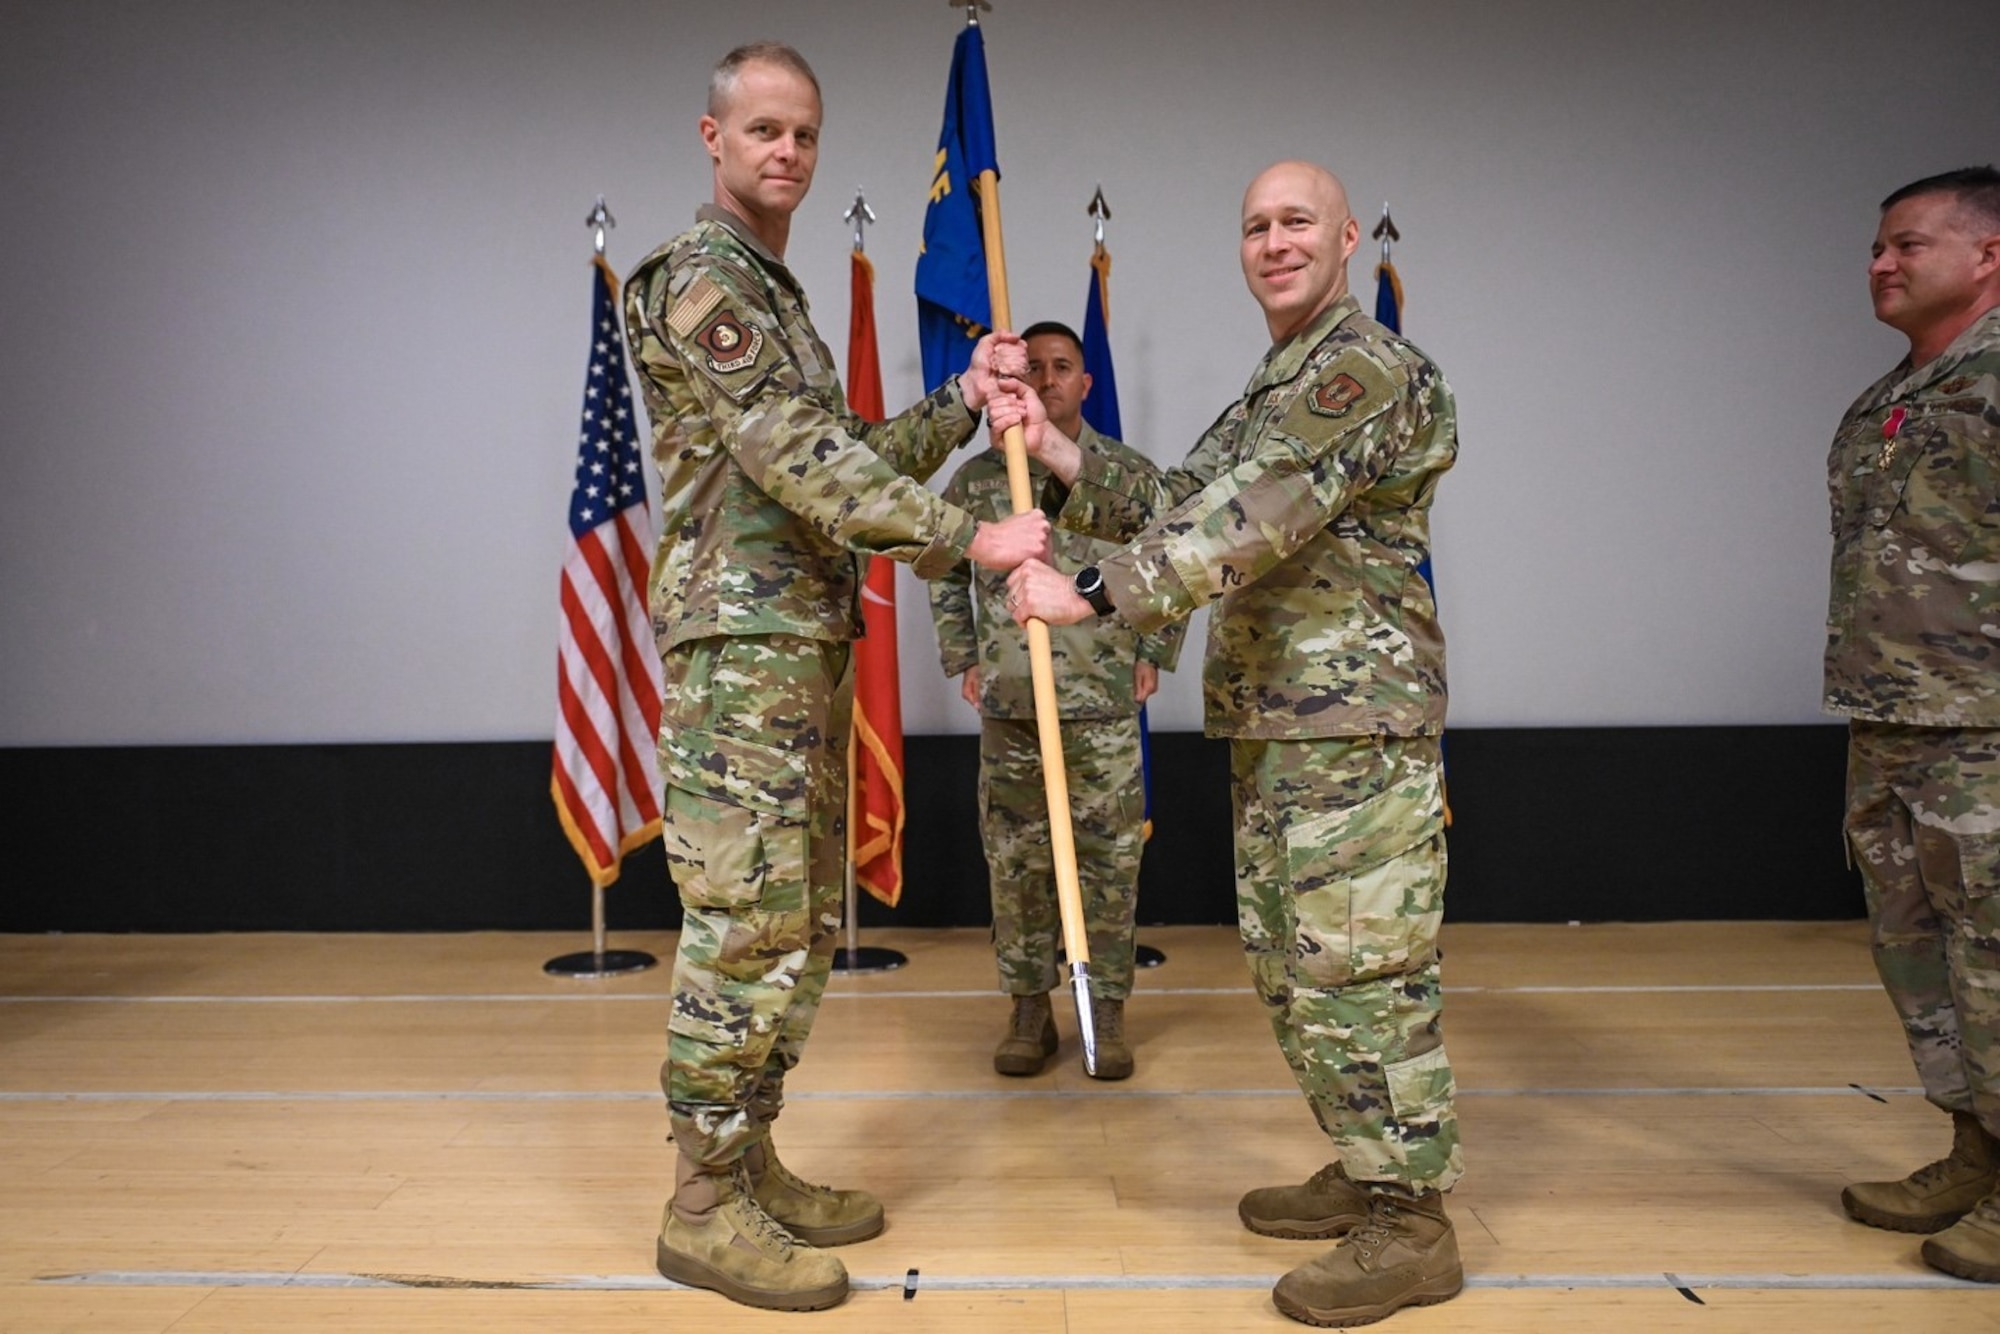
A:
{"x": 1325, "y": 1207}
{"x": 1936, "y": 1195}
{"x": 1969, "y": 1248}
{"x": 1031, "y": 1037}
{"x": 715, "y": 1235}
{"x": 816, "y": 1215}
{"x": 1404, "y": 1255}
{"x": 1114, "y": 1055}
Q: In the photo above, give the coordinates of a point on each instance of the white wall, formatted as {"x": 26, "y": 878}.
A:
{"x": 296, "y": 306}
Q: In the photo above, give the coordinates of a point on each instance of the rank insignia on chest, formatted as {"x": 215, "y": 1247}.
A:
{"x": 1336, "y": 396}
{"x": 731, "y": 345}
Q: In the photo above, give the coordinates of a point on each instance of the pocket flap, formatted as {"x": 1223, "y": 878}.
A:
{"x": 742, "y": 773}
{"x": 1387, "y": 825}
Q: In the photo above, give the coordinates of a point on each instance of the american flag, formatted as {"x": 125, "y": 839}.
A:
{"x": 606, "y": 785}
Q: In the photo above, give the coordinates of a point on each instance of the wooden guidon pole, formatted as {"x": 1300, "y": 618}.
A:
{"x": 1062, "y": 841}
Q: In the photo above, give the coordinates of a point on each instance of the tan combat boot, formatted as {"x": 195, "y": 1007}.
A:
{"x": 1404, "y": 1255}
{"x": 1031, "y": 1037}
{"x": 715, "y": 1235}
{"x": 1969, "y": 1248}
{"x": 1936, "y": 1195}
{"x": 1325, "y": 1207}
{"x": 815, "y": 1215}
{"x": 1114, "y": 1055}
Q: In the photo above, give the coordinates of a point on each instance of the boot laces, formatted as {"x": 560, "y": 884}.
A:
{"x": 752, "y": 1215}
{"x": 1375, "y": 1233}
{"x": 1327, "y": 1179}
{"x": 1027, "y": 1021}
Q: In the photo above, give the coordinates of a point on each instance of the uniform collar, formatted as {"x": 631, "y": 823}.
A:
{"x": 1981, "y": 335}
{"x": 740, "y": 229}
{"x": 1286, "y": 359}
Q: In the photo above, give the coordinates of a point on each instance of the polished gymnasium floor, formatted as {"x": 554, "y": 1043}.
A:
{"x": 427, "y": 1133}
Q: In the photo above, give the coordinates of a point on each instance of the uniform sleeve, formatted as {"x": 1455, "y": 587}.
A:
{"x": 1117, "y": 493}
{"x": 1339, "y": 435}
{"x": 951, "y": 603}
{"x": 794, "y": 444}
{"x": 1162, "y": 647}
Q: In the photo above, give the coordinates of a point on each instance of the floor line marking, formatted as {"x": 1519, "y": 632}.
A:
{"x": 933, "y": 1282}
{"x": 890, "y": 1095}
{"x": 842, "y": 993}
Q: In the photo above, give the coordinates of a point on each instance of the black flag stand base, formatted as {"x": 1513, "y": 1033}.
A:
{"x": 1145, "y": 956}
{"x": 855, "y": 958}
{"x": 598, "y": 961}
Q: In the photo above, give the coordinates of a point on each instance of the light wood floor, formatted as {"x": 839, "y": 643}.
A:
{"x": 327, "y": 1132}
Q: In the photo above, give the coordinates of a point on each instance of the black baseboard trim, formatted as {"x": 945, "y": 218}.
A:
{"x": 1549, "y": 824}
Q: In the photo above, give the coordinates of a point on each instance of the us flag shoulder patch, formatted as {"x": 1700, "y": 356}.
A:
{"x": 701, "y": 297}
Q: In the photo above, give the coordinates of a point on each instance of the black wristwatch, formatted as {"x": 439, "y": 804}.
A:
{"x": 1089, "y": 585}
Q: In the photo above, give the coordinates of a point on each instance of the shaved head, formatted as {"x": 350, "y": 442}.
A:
{"x": 1302, "y": 179}
{"x": 1297, "y": 236}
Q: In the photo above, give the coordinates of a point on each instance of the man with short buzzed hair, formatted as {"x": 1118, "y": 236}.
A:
{"x": 769, "y": 486}
{"x": 1104, "y": 673}
{"x": 1913, "y": 661}
{"x": 1303, "y": 514}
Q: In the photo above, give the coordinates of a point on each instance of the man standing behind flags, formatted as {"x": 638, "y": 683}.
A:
{"x": 1913, "y": 660}
{"x": 1304, "y": 512}
{"x": 769, "y": 486}
{"x": 1103, "y": 673}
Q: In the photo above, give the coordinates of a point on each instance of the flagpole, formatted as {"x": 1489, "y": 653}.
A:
{"x": 1041, "y": 661}
{"x": 599, "y": 961}
{"x": 1099, "y": 209}
{"x": 853, "y": 958}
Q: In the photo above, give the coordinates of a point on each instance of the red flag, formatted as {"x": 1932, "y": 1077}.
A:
{"x": 877, "y": 799}
{"x": 606, "y": 784}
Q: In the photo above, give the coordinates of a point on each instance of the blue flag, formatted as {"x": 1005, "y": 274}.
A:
{"x": 1100, "y": 406}
{"x": 953, "y": 306}
{"x": 1100, "y": 409}
{"x": 1388, "y": 297}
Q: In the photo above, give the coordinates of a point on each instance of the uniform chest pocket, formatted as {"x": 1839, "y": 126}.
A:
{"x": 1946, "y": 496}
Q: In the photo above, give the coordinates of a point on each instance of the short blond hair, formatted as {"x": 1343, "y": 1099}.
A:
{"x": 722, "y": 82}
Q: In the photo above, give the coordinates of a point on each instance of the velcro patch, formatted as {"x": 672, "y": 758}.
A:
{"x": 730, "y": 343}
{"x": 1336, "y": 396}
{"x": 701, "y": 297}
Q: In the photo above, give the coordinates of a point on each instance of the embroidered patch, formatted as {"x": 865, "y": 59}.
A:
{"x": 730, "y": 344}
{"x": 1336, "y": 396}
{"x": 701, "y": 297}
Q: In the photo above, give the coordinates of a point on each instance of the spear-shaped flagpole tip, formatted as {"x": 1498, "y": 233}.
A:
{"x": 1101, "y": 212}
{"x": 599, "y": 219}
{"x": 1385, "y": 231}
{"x": 860, "y": 215}
{"x": 971, "y": 8}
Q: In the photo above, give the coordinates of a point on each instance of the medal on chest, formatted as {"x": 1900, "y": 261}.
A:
{"x": 1892, "y": 427}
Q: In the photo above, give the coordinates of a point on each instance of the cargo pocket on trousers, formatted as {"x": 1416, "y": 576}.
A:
{"x": 735, "y": 830}
{"x": 1368, "y": 884}
{"x": 1421, "y": 1089}
{"x": 1979, "y": 874}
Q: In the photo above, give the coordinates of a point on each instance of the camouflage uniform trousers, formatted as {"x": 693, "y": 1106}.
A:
{"x": 1107, "y": 816}
{"x": 1923, "y": 818}
{"x": 1339, "y": 893}
{"x": 753, "y": 750}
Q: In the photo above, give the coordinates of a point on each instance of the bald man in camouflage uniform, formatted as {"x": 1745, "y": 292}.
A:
{"x": 1103, "y": 673}
{"x": 1304, "y": 515}
{"x": 769, "y": 486}
{"x": 1913, "y": 661}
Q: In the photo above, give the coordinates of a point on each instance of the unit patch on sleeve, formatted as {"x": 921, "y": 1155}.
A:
{"x": 1336, "y": 396}
{"x": 731, "y": 345}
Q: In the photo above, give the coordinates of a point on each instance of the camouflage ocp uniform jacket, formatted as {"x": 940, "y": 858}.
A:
{"x": 1305, "y": 509}
{"x": 1913, "y": 620}
{"x": 1093, "y": 661}
{"x": 769, "y": 485}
